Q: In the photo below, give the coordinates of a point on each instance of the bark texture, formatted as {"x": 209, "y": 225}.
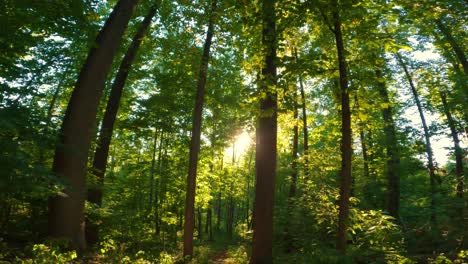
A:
{"x": 195, "y": 141}
{"x": 107, "y": 127}
{"x": 293, "y": 186}
{"x": 427, "y": 138}
{"x": 346, "y": 150}
{"x": 265, "y": 157}
{"x": 458, "y": 150}
{"x": 66, "y": 218}
{"x": 457, "y": 49}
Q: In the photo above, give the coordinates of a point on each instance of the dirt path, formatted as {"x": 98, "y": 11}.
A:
{"x": 220, "y": 257}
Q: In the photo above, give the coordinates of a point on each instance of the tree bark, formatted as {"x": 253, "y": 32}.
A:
{"x": 66, "y": 218}
{"x": 200, "y": 224}
{"x": 458, "y": 150}
{"x": 265, "y": 158}
{"x": 453, "y": 43}
{"x": 230, "y": 217}
{"x": 304, "y": 111}
{"x": 107, "y": 127}
{"x": 346, "y": 140}
{"x": 393, "y": 157}
{"x": 195, "y": 141}
{"x": 293, "y": 186}
{"x": 153, "y": 167}
{"x": 427, "y": 138}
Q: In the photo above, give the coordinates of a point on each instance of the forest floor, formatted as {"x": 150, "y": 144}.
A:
{"x": 221, "y": 251}
{"x": 221, "y": 257}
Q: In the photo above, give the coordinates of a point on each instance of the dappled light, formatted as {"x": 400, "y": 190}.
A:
{"x": 260, "y": 132}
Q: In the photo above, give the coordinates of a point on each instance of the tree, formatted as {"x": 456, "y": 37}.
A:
{"x": 105, "y": 134}
{"x": 265, "y": 157}
{"x": 66, "y": 217}
{"x": 393, "y": 159}
{"x": 427, "y": 137}
{"x": 459, "y": 171}
{"x": 189, "y": 220}
{"x": 346, "y": 140}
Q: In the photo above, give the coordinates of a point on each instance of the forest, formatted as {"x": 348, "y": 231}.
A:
{"x": 233, "y": 131}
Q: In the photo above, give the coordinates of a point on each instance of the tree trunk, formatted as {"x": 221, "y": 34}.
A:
{"x": 346, "y": 140}
{"x": 427, "y": 137}
{"x": 393, "y": 157}
{"x": 304, "y": 111}
{"x": 453, "y": 43}
{"x": 460, "y": 55}
{"x": 218, "y": 213}
{"x": 107, "y": 127}
{"x": 200, "y": 224}
{"x": 66, "y": 218}
{"x": 209, "y": 226}
{"x": 195, "y": 142}
{"x": 230, "y": 217}
{"x": 292, "y": 187}
{"x": 458, "y": 150}
{"x": 153, "y": 167}
{"x": 265, "y": 158}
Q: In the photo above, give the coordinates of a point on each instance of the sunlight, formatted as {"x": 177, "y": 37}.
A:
{"x": 241, "y": 145}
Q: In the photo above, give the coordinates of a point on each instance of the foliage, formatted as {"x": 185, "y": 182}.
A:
{"x": 43, "y": 46}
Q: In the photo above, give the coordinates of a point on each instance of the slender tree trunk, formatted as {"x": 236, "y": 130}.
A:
{"x": 458, "y": 150}
{"x": 265, "y": 158}
{"x": 365, "y": 154}
{"x": 153, "y": 167}
{"x": 304, "y": 110}
{"x": 107, "y": 127}
{"x": 200, "y": 224}
{"x": 66, "y": 218}
{"x": 292, "y": 187}
{"x": 195, "y": 142}
{"x": 393, "y": 157}
{"x": 160, "y": 190}
{"x": 346, "y": 140}
{"x": 218, "y": 213}
{"x": 461, "y": 82}
{"x": 453, "y": 43}
{"x": 427, "y": 137}
{"x": 230, "y": 217}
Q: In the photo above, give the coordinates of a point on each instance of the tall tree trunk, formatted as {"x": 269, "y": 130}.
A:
{"x": 200, "y": 224}
{"x": 462, "y": 78}
{"x": 160, "y": 190}
{"x": 458, "y": 150}
{"x": 208, "y": 223}
{"x": 365, "y": 154}
{"x": 265, "y": 158}
{"x": 346, "y": 150}
{"x": 427, "y": 137}
{"x": 304, "y": 110}
{"x": 153, "y": 167}
{"x": 107, "y": 127}
{"x": 195, "y": 142}
{"x": 218, "y": 212}
{"x": 66, "y": 218}
{"x": 453, "y": 43}
{"x": 230, "y": 217}
{"x": 364, "y": 147}
{"x": 292, "y": 187}
{"x": 393, "y": 157}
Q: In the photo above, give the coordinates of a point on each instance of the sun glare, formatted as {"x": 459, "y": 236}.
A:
{"x": 241, "y": 145}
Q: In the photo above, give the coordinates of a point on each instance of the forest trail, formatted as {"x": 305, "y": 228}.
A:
{"x": 221, "y": 257}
